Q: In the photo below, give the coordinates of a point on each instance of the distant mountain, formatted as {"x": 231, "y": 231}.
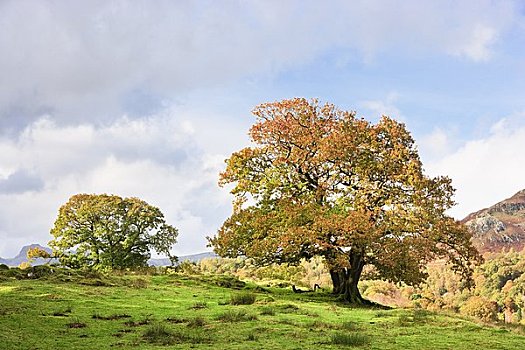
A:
{"x": 501, "y": 226}
{"x": 22, "y": 256}
{"x": 191, "y": 258}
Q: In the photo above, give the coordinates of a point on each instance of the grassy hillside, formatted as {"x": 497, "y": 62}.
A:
{"x": 183, "y": 312}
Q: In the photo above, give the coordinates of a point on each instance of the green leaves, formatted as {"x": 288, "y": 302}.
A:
{"x": 105, "y": 231}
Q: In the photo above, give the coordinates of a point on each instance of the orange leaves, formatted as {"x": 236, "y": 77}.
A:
{"x": 322, "y": 182}
{"x": 37, "y": 252}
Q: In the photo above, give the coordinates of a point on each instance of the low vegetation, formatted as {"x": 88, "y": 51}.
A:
{"x": 350, "y": 339}
{"x": 244, "y": 298}
{"x": 65, "y": 310}
{"x": 497, "y": 294}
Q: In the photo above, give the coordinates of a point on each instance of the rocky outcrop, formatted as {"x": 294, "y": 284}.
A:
{"x": 485, "y": 223}
{"x": 502, "y": 226}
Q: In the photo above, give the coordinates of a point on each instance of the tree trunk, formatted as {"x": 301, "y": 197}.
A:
{"x": 345, "y": 281}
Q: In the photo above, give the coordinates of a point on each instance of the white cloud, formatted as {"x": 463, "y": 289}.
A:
{"x": 438, "y": 144}
{"x": 486, "y": 170}
{"x": 478, "y": 48}
{"x": 157, "y": 159}
{"x": 86, "y": 64}
{"x": 96, "y": 60}
{"x": 385, "y": 107}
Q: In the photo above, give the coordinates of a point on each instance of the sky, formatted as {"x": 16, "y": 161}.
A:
{"x": 147, "y": 99}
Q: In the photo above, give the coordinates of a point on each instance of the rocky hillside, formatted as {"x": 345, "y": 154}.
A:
{"x": 501, "y": 226}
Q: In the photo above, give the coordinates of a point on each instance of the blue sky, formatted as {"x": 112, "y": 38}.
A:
{"x": 147, "y": 99}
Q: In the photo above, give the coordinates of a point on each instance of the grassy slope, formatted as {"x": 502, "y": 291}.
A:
{"x": 36, "y": 314}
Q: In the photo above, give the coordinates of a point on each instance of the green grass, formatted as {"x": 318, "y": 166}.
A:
{"x": 350, "y": 339}
{"x": 244, "y": 298}
{"x": 236, "y": 316}
{"x": 184, "y": 312}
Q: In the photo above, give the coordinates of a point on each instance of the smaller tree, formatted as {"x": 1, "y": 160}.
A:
{"x": 107, "y": 231}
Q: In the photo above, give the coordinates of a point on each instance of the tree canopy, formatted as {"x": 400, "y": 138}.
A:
{"x": 107, "y": 231}
{"x": 319, "y": 181}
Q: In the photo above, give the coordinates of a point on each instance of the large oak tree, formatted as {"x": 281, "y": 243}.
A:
{"x": 319, "y": 181}
{"x": 107, "y": 231}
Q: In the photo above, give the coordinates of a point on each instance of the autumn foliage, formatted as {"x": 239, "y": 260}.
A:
{"x": 320, "y": 181}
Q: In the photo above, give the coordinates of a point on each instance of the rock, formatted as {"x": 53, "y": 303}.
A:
{"x": 501, "y": 226}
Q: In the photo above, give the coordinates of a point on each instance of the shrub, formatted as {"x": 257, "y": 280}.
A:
{"x": 480, "y": 307}
{"x": 245, "y": 298}
{"x": 41, "y": 271}
{"x": 188, "y": 268}
{"x": 15, "y": 272}
{"x": 350, "y": 339}
{"x": 227, "y": 282}
{"x": 4, "y": 267}
{"x": 158, "y": 334}
{"x": 236, "y": 316}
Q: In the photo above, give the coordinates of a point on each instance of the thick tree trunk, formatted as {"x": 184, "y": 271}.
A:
{"x": 345, "y": 280}
{"x": 336, "y": 280}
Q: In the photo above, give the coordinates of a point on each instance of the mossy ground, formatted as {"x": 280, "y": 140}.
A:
{"x": 184, "y": 312}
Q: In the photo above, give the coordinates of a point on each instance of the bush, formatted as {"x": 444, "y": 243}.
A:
{"x": 158, "y": 334}
{"x": 41, "y": 271}
{"x": 245, "y": 298}
{"x": 4, "y": 267}
{"x": 482, "y": 308}
{"x": 236, "y": 316}
{"x": 350, "y": 339}
{"x": 227, "y": 282}
{"x": 15, "y": 272}
{"x": 187, "y": 268}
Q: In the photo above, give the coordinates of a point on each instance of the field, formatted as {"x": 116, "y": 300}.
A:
{"x": 216, "y": 312}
